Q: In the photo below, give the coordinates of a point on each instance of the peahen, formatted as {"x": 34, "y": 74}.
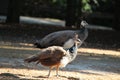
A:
{"x": 55, "y": 56}
{"x": 63, "y": 38}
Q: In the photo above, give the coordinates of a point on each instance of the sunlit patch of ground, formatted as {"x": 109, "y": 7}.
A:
{"x": 100, "y": 51}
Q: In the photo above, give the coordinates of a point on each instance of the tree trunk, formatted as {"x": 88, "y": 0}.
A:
{"x": 71, "y": 13}
{"x": 13, "y": 11}
{"x": 79, "y": 13}
{"x": 117, "y": 15}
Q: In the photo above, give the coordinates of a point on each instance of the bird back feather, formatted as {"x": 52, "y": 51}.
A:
{"x": 31, "y": 59}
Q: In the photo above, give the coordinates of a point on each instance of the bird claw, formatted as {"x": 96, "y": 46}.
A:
{"x": 57, "y": 75}
{"x": 48, "y": 76}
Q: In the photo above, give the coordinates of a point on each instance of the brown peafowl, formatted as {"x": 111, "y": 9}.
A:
{"x": 55, "y": 56}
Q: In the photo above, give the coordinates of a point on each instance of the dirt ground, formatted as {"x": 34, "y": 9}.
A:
{"x": 97, "y": 59}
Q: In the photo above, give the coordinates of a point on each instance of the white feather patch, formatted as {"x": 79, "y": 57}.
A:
{"x": 68, "y": 43}
{"x": 64, "y": 61}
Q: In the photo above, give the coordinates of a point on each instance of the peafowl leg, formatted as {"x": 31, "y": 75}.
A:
{"x": 57, "y": 69}
{"x": 49, "y": 71}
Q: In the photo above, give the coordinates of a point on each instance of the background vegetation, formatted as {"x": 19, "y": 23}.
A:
{"x": 101, "y": 9}
{"x": 100, "y": 12}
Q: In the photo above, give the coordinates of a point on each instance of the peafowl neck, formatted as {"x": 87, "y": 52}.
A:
{"x": 73, "y": 52}
{"x": 83, "y": 29}
{"x": 83, "y": 33}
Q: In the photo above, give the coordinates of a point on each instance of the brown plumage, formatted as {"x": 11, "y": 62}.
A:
{"x": 51, "y": 54}
{"x": 55, "y": 56}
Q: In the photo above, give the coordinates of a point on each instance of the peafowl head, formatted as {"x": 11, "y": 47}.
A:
{"x": 76, "y": 39}
{"x": 83, "y": 23}
{"x": 83, "y": 28}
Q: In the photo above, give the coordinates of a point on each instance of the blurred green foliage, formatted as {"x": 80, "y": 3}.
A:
{"x": 97, "y": 6}
{"x": 59, "y": 2}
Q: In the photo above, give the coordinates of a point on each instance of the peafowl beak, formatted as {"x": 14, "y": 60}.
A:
{"x": 78, "y": 41}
